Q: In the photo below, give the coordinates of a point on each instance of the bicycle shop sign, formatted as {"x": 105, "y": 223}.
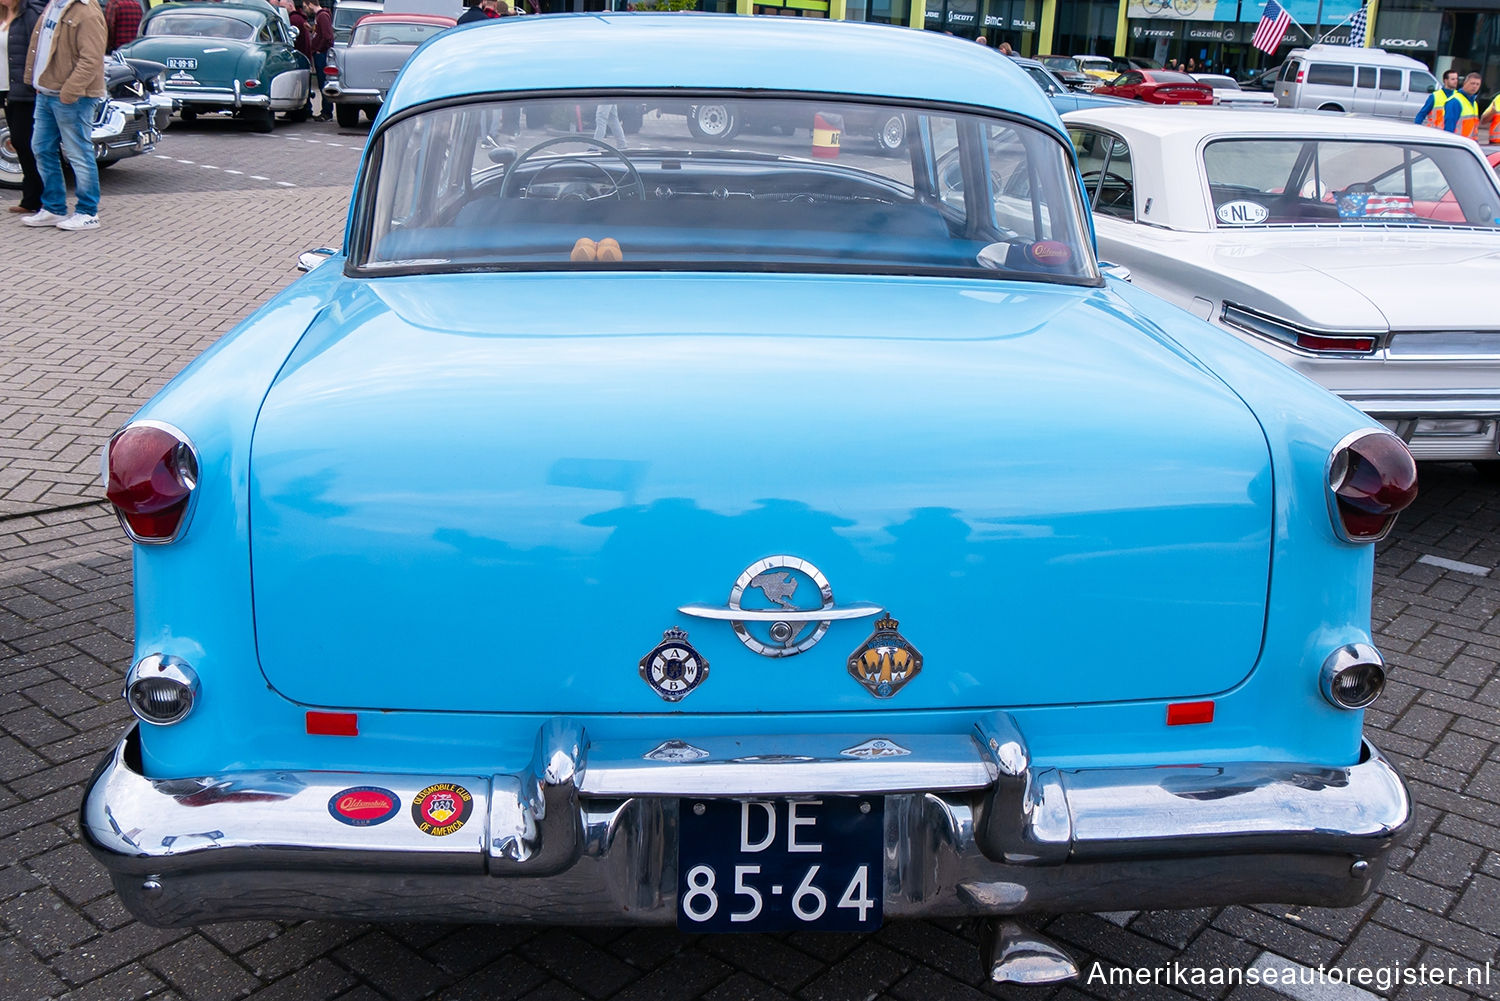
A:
{"x": 1183, "y": 10}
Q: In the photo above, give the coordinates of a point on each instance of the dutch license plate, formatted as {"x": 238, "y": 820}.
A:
{"x": 182, "y": 64}
{"x": 772, "y": 865}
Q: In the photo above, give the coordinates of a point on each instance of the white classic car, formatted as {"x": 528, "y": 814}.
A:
{"x": 1227, "y": 92}
{"x": 1358, "y": 251}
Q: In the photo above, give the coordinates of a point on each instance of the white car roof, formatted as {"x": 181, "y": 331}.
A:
{"x": 1164, "y": 145}
{"x": 1346, "y": 54}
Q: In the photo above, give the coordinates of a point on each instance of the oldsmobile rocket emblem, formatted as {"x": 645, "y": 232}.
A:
{"x": 886, "y": 661}
{"x": 792, "y": 610}
{"x": 673, "y": 668}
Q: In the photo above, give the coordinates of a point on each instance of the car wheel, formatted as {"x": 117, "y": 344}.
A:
{"x": 347, "y": 115}
{"x": 716, "y": 123}
{"x": 890, "y": 134}
{"x": 261, "y": 120}
{"x": 300, "y": 115}
{"x": 10, "y": 163}
{"x": 188, "y": 114}
{"x": 370, "y": 114}
{"x": 1331, "y": 107}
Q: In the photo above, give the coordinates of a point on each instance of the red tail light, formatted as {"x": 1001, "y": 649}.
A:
{"x": 330, "y": 70}
{"x": 1323, "y": 342}
{"x": 1371, "y": 479}
{"x": 1301, "y": 76}
{"x": 151, "y": 472}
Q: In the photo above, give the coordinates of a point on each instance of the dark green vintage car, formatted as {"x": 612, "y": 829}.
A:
{"x": 226, "y": 56}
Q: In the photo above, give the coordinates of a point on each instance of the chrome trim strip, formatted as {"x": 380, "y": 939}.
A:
{"x": 787, "y": 765}
{"x": 833, "y": 613}
{"x": 1190, "y": 836}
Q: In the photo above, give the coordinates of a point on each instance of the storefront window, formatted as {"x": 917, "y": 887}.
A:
{"x": 1087, "y": 27}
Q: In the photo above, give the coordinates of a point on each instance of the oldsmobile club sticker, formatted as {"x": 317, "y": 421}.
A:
{"x": 441, "y": 809}
{"x": 364, "y": 806}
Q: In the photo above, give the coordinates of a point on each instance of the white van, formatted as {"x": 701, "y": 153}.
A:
{"x": 1341, "y": 78}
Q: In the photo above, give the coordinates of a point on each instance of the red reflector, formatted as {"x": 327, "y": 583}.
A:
{"x": 1315, "y": 343}
{"x": 1184, "y": 713}
{"x": 333, "y": 724}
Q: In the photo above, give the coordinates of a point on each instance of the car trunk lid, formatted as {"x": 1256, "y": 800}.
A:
{"x": 495, "y": 493}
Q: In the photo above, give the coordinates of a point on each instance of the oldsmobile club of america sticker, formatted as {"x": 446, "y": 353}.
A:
{"x": 441, "y": 809}
{"x": 364, "y": 806}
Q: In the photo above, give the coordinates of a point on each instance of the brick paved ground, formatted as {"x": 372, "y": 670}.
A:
{"x": 100, "y": 320}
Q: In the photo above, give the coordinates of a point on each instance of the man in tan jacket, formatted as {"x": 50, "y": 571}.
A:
{"x": 65, "y": 65}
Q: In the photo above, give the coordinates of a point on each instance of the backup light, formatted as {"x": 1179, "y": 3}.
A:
{"x": 1371, "y": 479}
{"x": 161, "y": 689}
{"x": 1353, "y": 676}
{"x": 151, "y": 472}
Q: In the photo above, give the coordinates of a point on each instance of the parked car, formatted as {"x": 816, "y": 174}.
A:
{"x": 1158, "y": 87}
{"x": 360, "y": 75}
{"x": 721, "y": 121}
{"x": 1227, "y": 92}
{"x": 1350, "y": 249}
{"x": 346, "y": 15}
{"x": 1367, "y": 81}
{"x": 127, "y": 123}
{"x": 807, "y": 473}
{"x": 1100, "y": 67}
{"x": 225, "y": 55}
{"x": 1063, "y": 99}
{"x": 1069, "y": 72}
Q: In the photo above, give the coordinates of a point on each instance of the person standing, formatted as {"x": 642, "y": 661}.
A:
{"x": 1461, "y": 114}
{"x": 1432, "y": 109}
{"x": 607, "y": 120}
{"x": 482, "y": 11}
{"x": 123, "y": 19}
{"x": 321, "y": 25}
{"x": 65, "y": 65}
{"x": 1491, "y": 118}
{"x": 20, "y": 99}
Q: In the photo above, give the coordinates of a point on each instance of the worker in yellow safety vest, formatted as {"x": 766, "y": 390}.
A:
{"x": 1491, "y": 117}
{"x": 1462, "y": 113}
{"x": 1431, "y": 114}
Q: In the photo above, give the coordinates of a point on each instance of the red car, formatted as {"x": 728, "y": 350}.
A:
{"x": 1158, "y": 87}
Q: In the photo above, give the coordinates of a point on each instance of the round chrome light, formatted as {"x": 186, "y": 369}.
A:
{"x": 1353, "y": 676}
{"x": 161, "y": 689}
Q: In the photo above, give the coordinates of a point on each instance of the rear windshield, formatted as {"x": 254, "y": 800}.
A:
{"x": 199, "y": 26}
{"x": 1326, "y": 182}
{"x": 344, "y": 19}
{"x": 1167, "y": 76}
{"x": 394, "y": 33}
{"x": 753, "y": 184}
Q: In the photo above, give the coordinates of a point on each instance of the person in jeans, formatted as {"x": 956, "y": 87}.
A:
{"x": 20, "y": 101}
{"x": 65, "y": 66}
{"x": 321, "y": 24}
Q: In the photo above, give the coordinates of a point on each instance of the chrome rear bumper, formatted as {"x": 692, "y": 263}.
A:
{"x": 588, "y": 833}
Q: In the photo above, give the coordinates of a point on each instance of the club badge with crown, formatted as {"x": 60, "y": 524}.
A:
{"x": 673, "y": 668}
{"x": 885, "y": 661}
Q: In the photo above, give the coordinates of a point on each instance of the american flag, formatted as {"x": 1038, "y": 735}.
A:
{"x": 1358, "y": 25}
{"x": 1361, "y": 205}
{"x": 1273, "y": 24}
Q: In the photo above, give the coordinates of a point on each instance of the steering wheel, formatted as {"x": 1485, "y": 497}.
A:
{"x": 616, "y": 190}
{"x": 1112, "y": 180}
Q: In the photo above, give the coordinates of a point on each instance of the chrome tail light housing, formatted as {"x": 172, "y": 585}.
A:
{"x": 1353, "y": 676}
{"x": 1372, "y": 477}
{"x": 151, "y": 478}
{"x": 161, "y": 689}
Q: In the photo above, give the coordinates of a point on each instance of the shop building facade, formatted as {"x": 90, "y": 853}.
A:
{"x": 1444, "y": 34}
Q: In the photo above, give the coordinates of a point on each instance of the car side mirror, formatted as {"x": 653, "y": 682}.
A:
{"x": 1118, "y": 271}
{"x": 309, "y": 259}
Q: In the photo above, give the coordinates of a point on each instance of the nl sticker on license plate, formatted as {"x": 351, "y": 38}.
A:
{"x": 772, "y": 865}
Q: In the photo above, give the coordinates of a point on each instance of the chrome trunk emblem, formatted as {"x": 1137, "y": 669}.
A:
{"x": 781, "y": 631}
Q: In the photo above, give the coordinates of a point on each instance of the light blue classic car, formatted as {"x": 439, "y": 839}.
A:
{"x": 752, "y": 536}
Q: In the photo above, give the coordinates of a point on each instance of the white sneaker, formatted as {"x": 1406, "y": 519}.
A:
{"x": 77, "y": 222}
{"x": 41, "y": 217}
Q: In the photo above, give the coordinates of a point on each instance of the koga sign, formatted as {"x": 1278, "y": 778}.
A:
{"x": 1405, "y": 43}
